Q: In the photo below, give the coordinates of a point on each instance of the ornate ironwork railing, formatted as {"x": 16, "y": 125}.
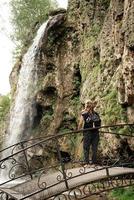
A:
{"x": 31, "y": 159}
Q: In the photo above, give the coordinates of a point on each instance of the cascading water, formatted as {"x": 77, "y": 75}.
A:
{"x": 22, "y": 115}
{"x": 23, "y": 111}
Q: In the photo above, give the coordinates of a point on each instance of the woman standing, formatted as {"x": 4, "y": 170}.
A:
{"x": 90, "y": 119}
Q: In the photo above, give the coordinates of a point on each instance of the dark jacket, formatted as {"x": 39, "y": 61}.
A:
{"x": 91, "y": 120}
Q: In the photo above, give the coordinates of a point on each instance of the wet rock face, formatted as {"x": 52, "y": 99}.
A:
{"x": 59, "y": 77}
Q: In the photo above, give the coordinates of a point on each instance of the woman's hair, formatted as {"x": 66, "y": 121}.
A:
{"x": 90, "y": 104}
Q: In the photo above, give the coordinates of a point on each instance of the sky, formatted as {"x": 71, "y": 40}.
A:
{"x": 7, "y": 46}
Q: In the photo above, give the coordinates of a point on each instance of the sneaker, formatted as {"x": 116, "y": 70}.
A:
{"x": 86, "y": 165}
{"x": 93, "y": 165}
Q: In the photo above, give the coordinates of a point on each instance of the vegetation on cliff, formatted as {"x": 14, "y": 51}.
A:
{"x": 4, "y": 106}
{"x": 4, "y": 110}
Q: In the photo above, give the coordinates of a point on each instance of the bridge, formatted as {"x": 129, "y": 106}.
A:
{"x": 40, "y": 168}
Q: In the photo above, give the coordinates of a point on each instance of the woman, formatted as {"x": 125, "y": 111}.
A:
{"x": 90, "y": 119}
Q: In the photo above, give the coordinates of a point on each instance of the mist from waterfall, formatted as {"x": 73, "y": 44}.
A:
{"x": 23, "y": 111}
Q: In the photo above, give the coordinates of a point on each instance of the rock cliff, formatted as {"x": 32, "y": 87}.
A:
{"x": 87, "y": 53}
{"x": 106, "y": 56}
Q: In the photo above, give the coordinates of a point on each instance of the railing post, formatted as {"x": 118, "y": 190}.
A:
{"x": 62, "y": 164}
{"x": 28, "y": 167}
{"x": 107, "y": 172}
{"x": 7, "y": 197}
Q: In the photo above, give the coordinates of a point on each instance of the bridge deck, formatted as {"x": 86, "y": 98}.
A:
{"x": 32, "y": 186}
{"x": 14, "y": 194}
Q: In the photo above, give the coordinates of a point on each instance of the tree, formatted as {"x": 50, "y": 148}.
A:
{"x": 27, "y": 16}
{"x": 4, "y": 107}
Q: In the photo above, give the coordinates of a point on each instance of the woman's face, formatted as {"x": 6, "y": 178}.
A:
{"x": 89, "y": 107}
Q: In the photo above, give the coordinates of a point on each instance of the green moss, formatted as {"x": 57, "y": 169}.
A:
{"x": 112, "y": 112}
{"x": 75, "y": 105}
{"x": 40, "y": 83}
{"x": 95, "y": 72}
{"x": 43, "y": 126}
{"x": 68, "y": 123}
{"x": 126, "y": 130}
{"x": 91, "y": 35}
{"x": 72, "y": 141}
{"x": 76, "y": 146}
{"x": 94, "y": 76}
{"x": 88, "y": 41}
{"x": 90, "y": 68}
{"x": 63, "y": 130}
{"x": 105, "y": 3}
{"x": 75, "y": 101}
{"x": 75, "y": 39}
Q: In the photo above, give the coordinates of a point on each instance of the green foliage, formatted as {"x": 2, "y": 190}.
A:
{"x": 75, "y": 101}
{"x": 123, "y": 194}
{"x": 95, "y": 72}
{"x": 105, "y": 3}
{"x": 95, "y": 30}
{"x": 75, "y": 105}
{"x": 89, "y": 39}
{"x": 27, "y": 17}
{"x": 4, "y": 107}
{"x": 126, "y": 130}
{"x": 47, "y": 118}
{"x": 68, "y": 124}
{"x": 72, "y": 140}
{"x": 63, "y": 130}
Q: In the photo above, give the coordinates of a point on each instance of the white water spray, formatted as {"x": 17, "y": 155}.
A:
{"x": 23, "y": 111}
{"x": 22, "y": 115}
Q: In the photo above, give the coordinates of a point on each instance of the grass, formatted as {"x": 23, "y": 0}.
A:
{"x": 123, "y": 193}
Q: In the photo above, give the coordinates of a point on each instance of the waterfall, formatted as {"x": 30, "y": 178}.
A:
{"x": 23, "y": 112}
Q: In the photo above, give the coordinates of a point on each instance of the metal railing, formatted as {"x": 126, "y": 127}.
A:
{"x": 32, "y": 159}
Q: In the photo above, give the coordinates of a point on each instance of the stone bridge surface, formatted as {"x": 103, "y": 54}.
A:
{"x": 77, "y": 178}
